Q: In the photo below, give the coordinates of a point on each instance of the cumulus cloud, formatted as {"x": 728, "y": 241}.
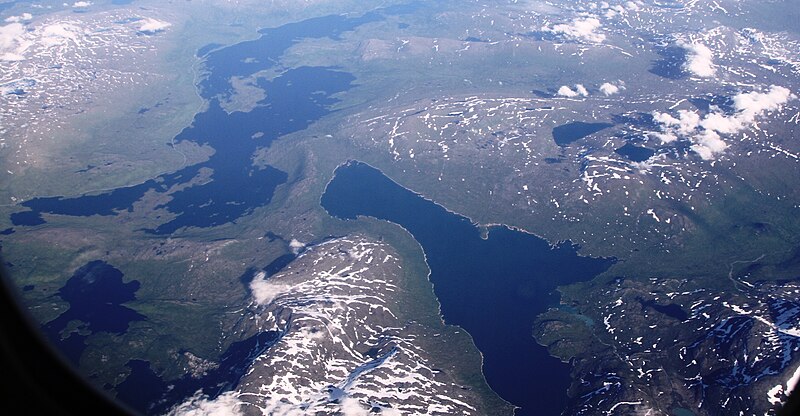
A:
{"x": 11, "y": 42}
{"x": 150, "y": 26}
{"x": 296, "y": 245}
{"x": 58, "y": 34}
{"x": 722, "y": 124}
{"x": 707, "y": 144}
{"x": 226, "y": 404}
{"x": 264, "y": 291}
{"x": 611, "y": 11}
{"x": 566, "y": 91}
{"x": 753, "y": 104}
{"x": 699, "y": 60}
{"x": 9, "y": 35}
{"x": 632, "y": 6}
{"x": 686, "y": 122}
{"x": 583, "y": 28}
{"x": 16, "y": 39}
{"x": 24, "y": 17}
{"x": 705, "y": 132}
{"x": 81, "y": 4}
{"x": 610, "y": 89}
{"x": 352, "y": 407}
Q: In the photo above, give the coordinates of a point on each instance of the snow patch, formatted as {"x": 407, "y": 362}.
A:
{"x": 152, "y": 26}
{"x": 581, "y": 29}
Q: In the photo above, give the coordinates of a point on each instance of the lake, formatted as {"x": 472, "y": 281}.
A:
{"x": 492, "y": 287}
{"x": 95, "y": 294}
{"x": 295, "y": 98}
{"x": 565, "y": 134}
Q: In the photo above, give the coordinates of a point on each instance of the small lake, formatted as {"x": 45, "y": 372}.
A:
{"x": 95, "y": 294}
{"x": 671, "y": 63}
{"x": 635, "y": 153}
{"x": 494, "y": 287}
{"x": 568, "y": 133}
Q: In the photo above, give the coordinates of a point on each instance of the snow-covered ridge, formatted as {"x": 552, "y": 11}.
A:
{"x": 343, "y": 350}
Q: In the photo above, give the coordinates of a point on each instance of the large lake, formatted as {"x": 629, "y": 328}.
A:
{"x": 294, "y": 99}
{"x": 493, "y": 287}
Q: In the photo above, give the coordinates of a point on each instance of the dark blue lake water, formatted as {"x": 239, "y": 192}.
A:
{"x": 95, "y": 294}
{"x": 672, "y": 310}
{"x": 635, "y": 153}
{"x": 28, "y": 218}
{"x": 295, "y": 99}
{"x": 494, "y": 288}
{"x": 671, "y": 63}
{"x": 572, "y": 132}
{"x": 146, "y": 391}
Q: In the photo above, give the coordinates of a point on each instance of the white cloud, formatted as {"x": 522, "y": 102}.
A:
{"x": 631, "y": 6}
{"x": 699, "y": 60}
{"x": 16, "y": 39}
{"x": 708, "y": 144}
{"x": 721, "y": 123}
{"x": 584, "y": 29}
{"x": 704, "y": 132}
{"x": 609, "y": 88}
{"x": 352, "y": 407}
{"x": 81, "y": 4}
{"x": 753, "y": 104}
{"x": 24, "y": 17}
{"x": 151, "y": 26}
{"x": 264, "y": 291}
{"x": 667, "y": 137}
{"x": 685, "y": 124}
{"x": 296, "y": 245}
{"x": 619, "y": 9}
{"x": 58, "y": 34}
{"x": 11, "y": 42}
{"x": 566, "y": 91}
{"x": 9, "y": 35}
{"x": 226, "y": 404}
